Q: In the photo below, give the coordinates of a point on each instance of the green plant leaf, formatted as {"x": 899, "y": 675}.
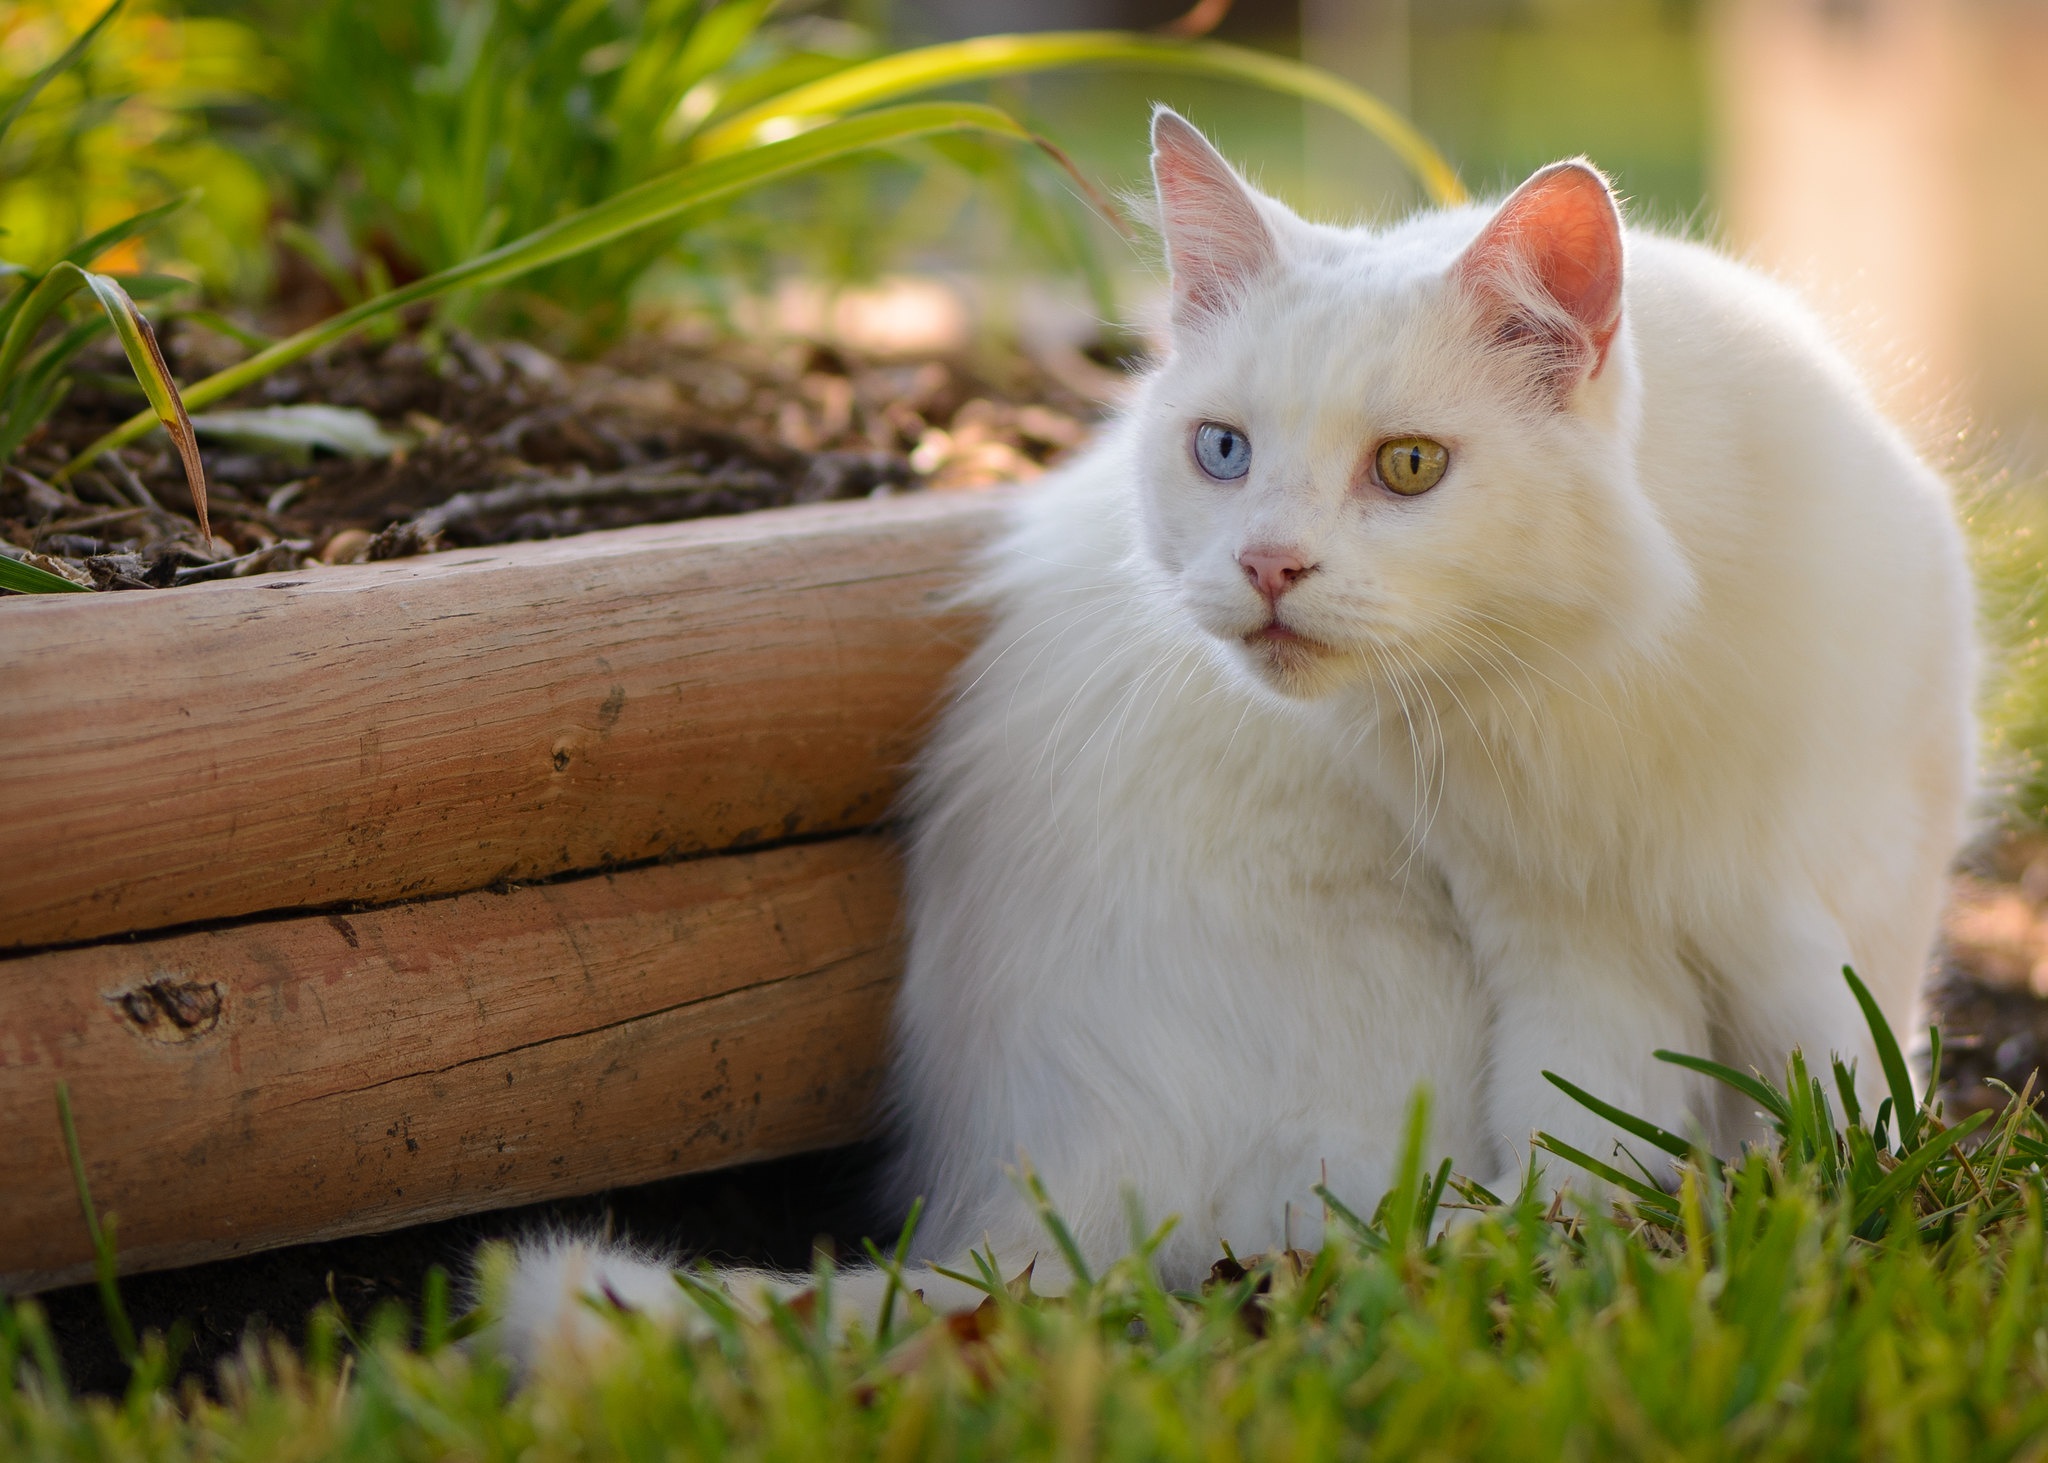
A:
{"x": 928, "y": 67}
{"x": 146, "y": 358}
{"x": 28, "y": 579}
{"x": 293, "y": 432}
{"x": 56, "y": 68}
{"x": 88, "y": 249}
{"x": 1905, "y": 1109}
{"x": 655, "y": 201}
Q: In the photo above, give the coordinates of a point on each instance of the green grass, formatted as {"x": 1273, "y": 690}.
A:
{"x": 1863, "y": 1286}
{"x": 2007, "y": 522}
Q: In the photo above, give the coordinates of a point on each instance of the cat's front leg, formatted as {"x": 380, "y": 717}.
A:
{"x": 1592, "y": 1005}
{"x": 1778, "y": 967}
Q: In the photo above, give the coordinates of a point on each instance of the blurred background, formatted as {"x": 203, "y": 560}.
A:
{"x": 1886, "y": 154}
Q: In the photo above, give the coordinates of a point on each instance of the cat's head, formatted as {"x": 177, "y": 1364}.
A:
{"x": 1404, "y": 454}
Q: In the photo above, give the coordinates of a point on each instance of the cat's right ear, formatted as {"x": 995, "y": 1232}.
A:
{"x": 1217, "y": 242}
{"x": 1548, "y": 266}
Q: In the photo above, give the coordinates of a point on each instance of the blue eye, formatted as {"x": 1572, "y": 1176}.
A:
{"x": 1223, "y": 452}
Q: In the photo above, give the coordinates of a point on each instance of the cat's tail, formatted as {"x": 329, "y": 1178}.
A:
{"x": 555, "y": 1299}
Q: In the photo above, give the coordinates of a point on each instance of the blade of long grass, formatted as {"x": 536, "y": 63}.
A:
{"x": 1909, "y": 1170}
{"x": 1400, "y": 1206}
{"x": 1653, "y": 1203}
{"x": 146, "y": 358}
{"x": 1905, "y": 1109}
{"x": 1370, "y": 1237}
{"x": 102, "y": 1239}
{"x": 1756, "y": 1091}
{"x": 56, "y": 68}
{"x": 1648, "y": 1131}
{"x": 983, "y": 57}
{"x": 642, "y": 206}
{"x": 1055, "y": 1225}
{"x": 894, "y": 1269}
{"x": 28, "y": 579}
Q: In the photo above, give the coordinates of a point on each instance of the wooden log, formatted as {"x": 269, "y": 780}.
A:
{"x": 296, "y": 1079}
{"x": 435, "y": 725}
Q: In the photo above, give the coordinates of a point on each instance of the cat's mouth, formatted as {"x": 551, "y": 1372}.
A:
{"x": 1285, "y": 644}
{"x": 1294, "y": 664}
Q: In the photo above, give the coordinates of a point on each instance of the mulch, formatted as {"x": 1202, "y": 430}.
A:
{"x": 494, "y": 442}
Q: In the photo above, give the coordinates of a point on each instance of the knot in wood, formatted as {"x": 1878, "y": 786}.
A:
{"x": 171, "y": 1009}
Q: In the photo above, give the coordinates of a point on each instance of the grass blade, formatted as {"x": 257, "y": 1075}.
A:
{"x": 28, "y": 579}
{"x": 102, "y": 1239}
{"x": 895, "y": 1268}
{"x": 1654, "y": 1200}
{"x": 1628, "y": 1122}
{"x": 56, "y": 68}
{"x": 1761, "y": 1093}
{"x": 1909, "y": 1170}
{"x": 983, "y": 57}
{"x": 1401, "y": 1205}
{"x": 1370, "y": 1237}
{"x": 1905, "y": 1109}
{"x": 642, "y": 206}
{"x": 1034, "y": 1188}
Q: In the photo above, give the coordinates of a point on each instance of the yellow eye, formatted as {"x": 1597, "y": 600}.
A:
{"x": 1411, "y": 465}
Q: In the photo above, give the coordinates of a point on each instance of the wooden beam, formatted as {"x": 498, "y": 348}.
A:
{"x": 435, "y": 725}
{"x": 295, "y": 1079}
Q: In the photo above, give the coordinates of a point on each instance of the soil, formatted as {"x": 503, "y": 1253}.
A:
{"x": 485, "y": 443}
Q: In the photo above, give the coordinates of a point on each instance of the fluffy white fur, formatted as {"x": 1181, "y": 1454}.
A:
{"x": 1629, "y": 734}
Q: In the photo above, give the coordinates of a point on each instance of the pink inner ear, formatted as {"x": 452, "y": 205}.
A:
{"x": 1216, "y": 242}
{"x": 1562, "y": 232}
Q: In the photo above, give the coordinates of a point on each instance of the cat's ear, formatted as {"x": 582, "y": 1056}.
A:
{"x": 1217, "y": 242}
{"x": 1548, "y": 266}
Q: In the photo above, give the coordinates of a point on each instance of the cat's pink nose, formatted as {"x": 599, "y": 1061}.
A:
{"x": 1274, "y": 571}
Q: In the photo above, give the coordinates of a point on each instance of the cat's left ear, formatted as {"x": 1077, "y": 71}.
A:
{"x": 1549, "y": 265}
{"x": 1216, "y": 240}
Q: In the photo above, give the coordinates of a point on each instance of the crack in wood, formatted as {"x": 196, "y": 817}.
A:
{"x": 623, "y": 1021}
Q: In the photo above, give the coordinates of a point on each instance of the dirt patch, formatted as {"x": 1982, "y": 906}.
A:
{"x": 380, "y": 450}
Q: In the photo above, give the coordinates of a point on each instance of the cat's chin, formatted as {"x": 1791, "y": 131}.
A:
{"x": 1294, "y": 665}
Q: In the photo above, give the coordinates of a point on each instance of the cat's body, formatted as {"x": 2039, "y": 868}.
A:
{"x": 1204, "y": 968}
{"x": 1619, "y": 707}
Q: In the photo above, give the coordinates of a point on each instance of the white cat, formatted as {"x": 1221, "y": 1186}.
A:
{"x": 1502, "y": 642}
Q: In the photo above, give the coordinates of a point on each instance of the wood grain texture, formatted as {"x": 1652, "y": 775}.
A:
{"x": 302, "y": 1078}
{"x": 436, "y": 725}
